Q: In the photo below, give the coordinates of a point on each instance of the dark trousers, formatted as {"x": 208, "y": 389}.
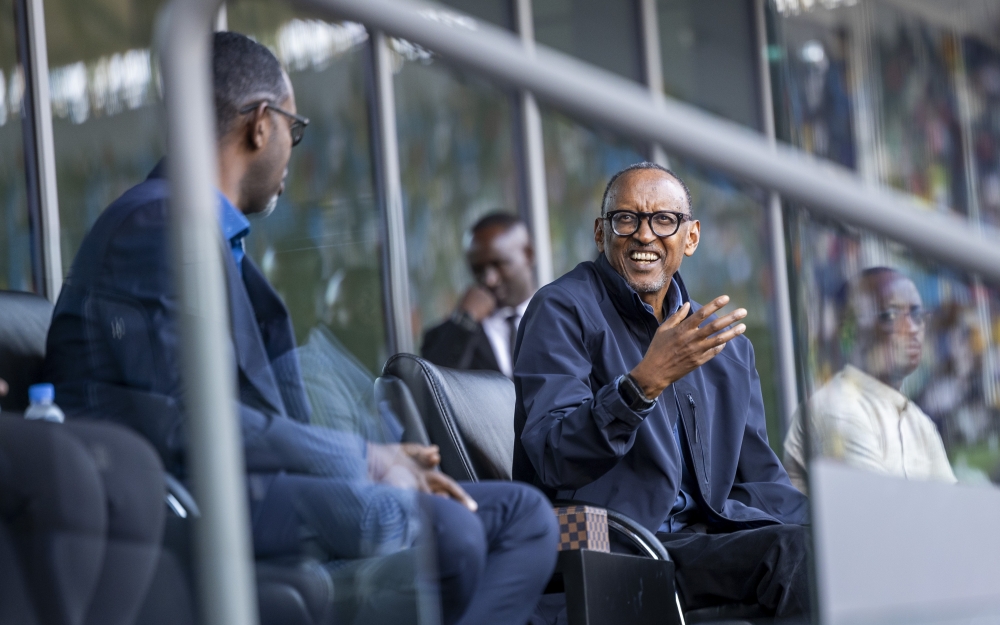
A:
{"x": 767, "y": 566}
{"x": 490, "y": 566}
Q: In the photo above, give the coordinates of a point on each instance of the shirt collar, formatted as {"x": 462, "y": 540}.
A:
{"x": 235, "y": 226}
{"x": 621, "y": 293}
{"x": 873, "y": 386}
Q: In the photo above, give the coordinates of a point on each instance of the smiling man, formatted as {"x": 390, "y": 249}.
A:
{"x": 632, "y": 396}
{"x": 860, "y": 416}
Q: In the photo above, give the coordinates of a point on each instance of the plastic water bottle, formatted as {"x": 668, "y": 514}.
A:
{"x": 43, "y": 407}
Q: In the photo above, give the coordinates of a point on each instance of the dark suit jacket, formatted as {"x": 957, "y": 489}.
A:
{"x": 451, "y": 345}
{"x": 112, "y": 347}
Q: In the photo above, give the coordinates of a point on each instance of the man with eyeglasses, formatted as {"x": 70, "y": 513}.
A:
{"x": 632, "y": 396}
{"x": 860, "y": 416}
{"x": 364, "y": 507}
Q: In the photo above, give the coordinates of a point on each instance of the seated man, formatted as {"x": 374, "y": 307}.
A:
{"x": 633, "y": 397}
{"x": 112, "y": 353}
{"x": 860, "y": 416}
{"x": 480, "y": 333}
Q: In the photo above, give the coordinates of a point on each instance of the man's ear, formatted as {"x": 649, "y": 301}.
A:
{"x": 529, "y": 253}
{"x": 257, "y": 127}
{"x": 693, "y": 238}
{"x": 599, "y": 234}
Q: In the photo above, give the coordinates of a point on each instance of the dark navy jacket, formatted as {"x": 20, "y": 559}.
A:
{"x": 112, "y": 347}
{"x": 576, "y": 438}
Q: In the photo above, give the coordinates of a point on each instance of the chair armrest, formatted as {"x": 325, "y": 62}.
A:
{"x": 180, "y": 501}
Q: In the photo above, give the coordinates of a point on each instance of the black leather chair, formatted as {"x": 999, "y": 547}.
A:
{"x": 298, "y": 592}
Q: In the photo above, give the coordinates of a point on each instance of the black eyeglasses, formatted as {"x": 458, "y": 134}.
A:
{"x": 298, "y": 126}
{"x": 662, "y": 223}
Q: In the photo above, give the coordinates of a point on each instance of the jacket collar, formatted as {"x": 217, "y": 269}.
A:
{"x": 626, "y": 300}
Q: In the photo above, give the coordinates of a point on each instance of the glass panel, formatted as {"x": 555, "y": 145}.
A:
{"x": 982, "y": 65}
{"x": 578, "y": 164}
{"x": 457, "y": 165}
{"x": 915, "y": 66}
{"x": 602, "y": 32}
{"x": 106, "y": 126}
{"x": 497, "y": 12}
{"x": 814, "y": 101}
{"x": 15, "y": 237}
{"x": 900, "y": 359}
{"x": 320, "y": 247}
{"x": 709, "y": 58}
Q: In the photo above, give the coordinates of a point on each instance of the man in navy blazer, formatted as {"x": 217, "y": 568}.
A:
{"x": 633, "y": 397}
{"x": 112, "y": 353}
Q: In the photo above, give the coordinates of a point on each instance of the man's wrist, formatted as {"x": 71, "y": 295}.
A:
{"x": 464, "y": 320}
{"x": 633, "y": 395}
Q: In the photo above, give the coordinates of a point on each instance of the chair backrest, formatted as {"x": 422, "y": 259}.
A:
{"x": 468, "y": 414}
{"x": 24, "y": 324}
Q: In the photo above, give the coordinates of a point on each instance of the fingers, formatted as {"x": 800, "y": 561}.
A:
{"x": 441, "y": 484}
{"x": 427, "y": 456}
{"x": 679, "y": 316}
{"x": 723, "y": 322}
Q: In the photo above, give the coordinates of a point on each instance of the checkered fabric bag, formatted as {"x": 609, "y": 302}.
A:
{"x": 583, "y": 527}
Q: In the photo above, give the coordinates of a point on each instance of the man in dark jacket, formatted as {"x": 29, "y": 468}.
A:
{"x": 633, "y": 397}
{"x": 480, "y": 333}
{"x": 112, "y": 353}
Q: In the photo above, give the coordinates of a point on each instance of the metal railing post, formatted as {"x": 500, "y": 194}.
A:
{"x": 784, "y": 339}
{"x": 623, "y": 106}
{"x": 652, "y": 68}
{"x": 389, "y": 191}
{"x": 223, "y": 549}
{"x": 40, "y": 148}
{"x": 531, "y": 164}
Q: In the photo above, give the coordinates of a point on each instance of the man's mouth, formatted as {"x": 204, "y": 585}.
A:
{"x": 643, "y": 258}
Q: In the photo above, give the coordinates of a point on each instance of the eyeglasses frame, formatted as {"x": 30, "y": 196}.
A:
{"x": 298, "y": 121}
{"x": 681, "y": 218}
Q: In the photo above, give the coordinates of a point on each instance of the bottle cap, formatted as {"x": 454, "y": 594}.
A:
{"x": 41, "y": 393}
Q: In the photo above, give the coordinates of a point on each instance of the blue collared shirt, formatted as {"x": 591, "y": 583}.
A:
{"x": 235, "y": 227}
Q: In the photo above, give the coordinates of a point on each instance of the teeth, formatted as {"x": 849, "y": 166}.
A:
{"x": 644, "y": 256}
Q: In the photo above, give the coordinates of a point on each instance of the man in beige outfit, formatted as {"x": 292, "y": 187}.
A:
{"x": 860, "y": 417}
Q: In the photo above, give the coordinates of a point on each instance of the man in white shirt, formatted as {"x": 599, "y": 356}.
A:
{"x": 860, "y": 416}
{"x": 480, "y": 333}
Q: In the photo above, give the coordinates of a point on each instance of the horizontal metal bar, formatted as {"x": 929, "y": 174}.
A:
{"x": 624, "y": 106}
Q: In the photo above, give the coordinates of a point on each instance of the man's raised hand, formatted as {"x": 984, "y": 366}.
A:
{"x": 682, "y": 344}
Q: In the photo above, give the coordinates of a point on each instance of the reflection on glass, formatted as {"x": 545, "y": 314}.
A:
{"x": 915, "y": 65}
{"x": 457, "y": 165}
{"x": 899, "y": 362}
{"x": 982, "y": 66}
{"x": 708, "y": 56}
{"x": 15, "y": 239}
{"x": 814, "y": 98}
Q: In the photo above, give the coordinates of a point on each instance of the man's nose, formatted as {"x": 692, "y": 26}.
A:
{"x": 491, "y": 277}
{"x": 645, "y": 233}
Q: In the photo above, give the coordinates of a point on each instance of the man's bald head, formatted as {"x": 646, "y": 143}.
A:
{"x": 612, "y": 187}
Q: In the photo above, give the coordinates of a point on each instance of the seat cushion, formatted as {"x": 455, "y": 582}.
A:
{"x": 26, "y": 318}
